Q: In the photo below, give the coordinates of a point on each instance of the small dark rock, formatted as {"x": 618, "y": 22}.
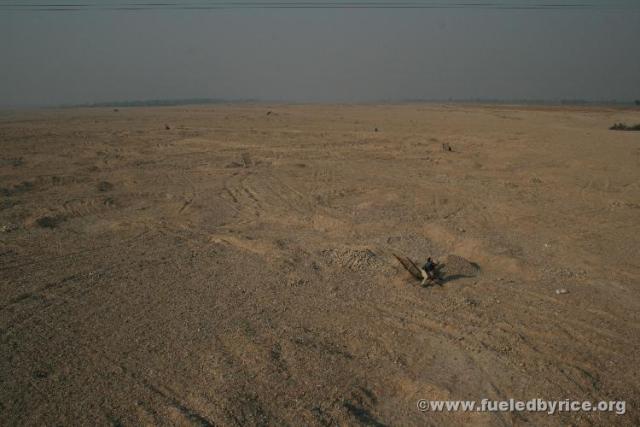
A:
{"x": 105, "y": 186}
{"x": 234, "y": 165}
{"x": 40, "y": 374}
{"x": 471, "y": 302}
{"x": 15, "y": 162}
{"x": 48, "y": 222}
{"x": 7, "y": 203}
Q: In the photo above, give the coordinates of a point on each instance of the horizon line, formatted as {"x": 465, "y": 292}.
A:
{"x": 172, "y": 102}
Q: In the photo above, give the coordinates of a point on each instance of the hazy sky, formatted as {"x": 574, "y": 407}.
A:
{"x": 101, "y": 53}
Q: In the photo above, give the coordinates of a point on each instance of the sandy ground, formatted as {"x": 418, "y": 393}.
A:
{"x": 237, "y": 268}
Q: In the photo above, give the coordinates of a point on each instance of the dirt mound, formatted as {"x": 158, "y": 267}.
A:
{"x": 352, "y": 259}
{"x": 455, "y": 265}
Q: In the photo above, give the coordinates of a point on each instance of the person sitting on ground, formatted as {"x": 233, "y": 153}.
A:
{"x": 430, "y": 267}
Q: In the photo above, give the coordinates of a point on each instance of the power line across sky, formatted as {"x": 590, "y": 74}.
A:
{"x": 381, "y": 4}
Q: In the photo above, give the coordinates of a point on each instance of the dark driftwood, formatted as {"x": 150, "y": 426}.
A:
{"x": 410, "y": 266}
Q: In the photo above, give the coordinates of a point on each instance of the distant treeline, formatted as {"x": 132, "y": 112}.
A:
{"x": 203, "y": 101}
{"x": 568, "y": 102}
{"x": 164, "y": 102}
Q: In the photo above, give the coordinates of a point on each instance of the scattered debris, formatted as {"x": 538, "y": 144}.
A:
{"x": 561, "y": 291}
{"x": 7, "y": 228}
{"x": 471, "y": 302}
{"x": 245, "y": 162}
{"x": 296, "y": 282}
{"x": 7, "y": 203}
{"x": 446, "y": 147}
{"x": 15, "y": 162}
{"x": 560, "y": 272}
{"x": 353, "y": 259}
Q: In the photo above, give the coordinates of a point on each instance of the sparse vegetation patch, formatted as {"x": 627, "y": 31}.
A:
{"x": 622, "y": 126}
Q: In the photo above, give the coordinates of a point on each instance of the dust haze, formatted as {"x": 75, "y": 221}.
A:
{"x": 319, "y": 55}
